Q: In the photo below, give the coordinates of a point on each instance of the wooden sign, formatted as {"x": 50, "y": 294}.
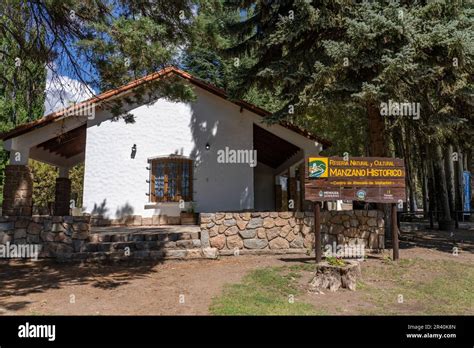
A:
{"x": 367, "y": 179}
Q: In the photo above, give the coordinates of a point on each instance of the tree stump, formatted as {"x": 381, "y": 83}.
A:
{"x": 333, "y": 277}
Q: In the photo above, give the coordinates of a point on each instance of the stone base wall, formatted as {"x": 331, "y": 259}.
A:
{"x": 17, "y": 191}
{"x": 287, "y": 232}
{"x": 55, "y": 234}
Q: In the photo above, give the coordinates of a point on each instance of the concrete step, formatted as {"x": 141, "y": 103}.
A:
{"x": 142, "y": 245}
{"x": 100, "y": 256}
{"x": 142, "y": 237}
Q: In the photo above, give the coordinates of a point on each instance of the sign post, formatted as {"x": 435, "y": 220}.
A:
{"x": 317, "y": 232}
{"x": 364, "y": 179}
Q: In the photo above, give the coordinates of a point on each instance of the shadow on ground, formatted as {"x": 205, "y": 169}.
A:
{"x": 21, "y": 278}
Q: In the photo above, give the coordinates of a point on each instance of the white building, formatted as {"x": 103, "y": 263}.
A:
{"x": 174, "y": 154}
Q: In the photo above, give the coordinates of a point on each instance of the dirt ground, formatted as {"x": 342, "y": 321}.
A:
{"x": 177, "y": 287}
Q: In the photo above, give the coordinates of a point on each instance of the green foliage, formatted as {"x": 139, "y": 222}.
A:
{"x": 317, "y": 55}
{"x": 335, "y": 261}
{"x": 45, "y": 181}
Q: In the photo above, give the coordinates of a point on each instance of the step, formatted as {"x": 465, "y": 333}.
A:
{"x": 142, "y": 245}
{"x": 179, "y": 254}
{"x": 143, "y": 237}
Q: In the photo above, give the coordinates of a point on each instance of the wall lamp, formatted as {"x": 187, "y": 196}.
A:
{"x": 134, "y": 151}
{"x": 208, "y": 146}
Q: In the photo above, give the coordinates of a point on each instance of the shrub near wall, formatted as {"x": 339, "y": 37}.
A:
{"x": 290, "y": 232}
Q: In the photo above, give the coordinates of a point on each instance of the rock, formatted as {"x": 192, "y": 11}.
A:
{"x": 214, "y": 231}
{"x": 354, "y": 222}
{"x": 279, "y": 243}
{"x": 230, "y": 222}
{"x": 210, "y": 225}
{"x": 281, "y": 222}
{"x": 273, "y": 233}
{"x": 205, "y": 239}
{"x": 372, "y": 222}
{"x": 273, "y": 215}
{"x": 261, "y": 233}
{"x": 255, "y": 243}
{"x": 7, "y": 226}
{"x": 373, "y": 242}
{"x": 4, "y": 238}
{"x": 185, "y": 244}
{"x": 292, "y": 222}
{"x": 34, "y": 228}
{"x": 245, "y": 216}
{"x": 255, "y": 223}
{"x": 381, "y": 241}
{"x": 285, "y": 230}
{"x": 21, "y": 223}
{"x": 234, "y": 242}
{"x": 231, "y": 231}
{"x": 298, "y": 243}
{"x": 220, "y": 216}
{"x": 218, "y": 241}
{"x": 210, "y": 253}
{"x": 268, "y": 222}
{"x": 248, "y": 234}
{"x": 222, "y": 228}
{"x": 309, "y": 241}
{"x": 291, "y": 236}
{"x": 242, "y": 224}
{"x": 346, "y": 224}
{"x": 33, "y": 239}
{"x": 194, "y": 254}
{"x": 47, "y": 236}
{"x": 307, "y": 230}
{"x": 229, "y": 216}
{"x": 372, "y": 213}
{"x": 19, "y": 233}
{"x": 336, "y": 229}
{"x": 285, "y": 214}
{"x": 380, "y": 222}
{"x": 175, "y": 254}
{"x": 57, "y": 227}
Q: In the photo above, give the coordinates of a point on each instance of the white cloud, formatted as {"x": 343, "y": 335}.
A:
{"x": 61, "y": 91}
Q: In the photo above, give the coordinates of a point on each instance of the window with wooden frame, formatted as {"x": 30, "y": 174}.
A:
{"x": 171, "y": 179}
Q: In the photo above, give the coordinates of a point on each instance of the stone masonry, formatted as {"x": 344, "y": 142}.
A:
{"x": 18, "y": 191}
{"x": 55, "y": 234}
{"x": 290, "y": 232}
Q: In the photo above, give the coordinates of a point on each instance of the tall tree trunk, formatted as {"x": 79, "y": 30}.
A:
{"x": 432, "y": 201}
{"x": 409, "y": 170}
{"x": 376, "y": 130}
{"x": 440, "y": 178}
{"x": 458, "y": 181}
{"x": 449, "y": 168}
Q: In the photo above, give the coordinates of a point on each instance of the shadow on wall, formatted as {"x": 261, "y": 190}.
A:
{"x": 120, "y": 214}
{"x": 100, "y": 209}
{"x": 205, "y": 126}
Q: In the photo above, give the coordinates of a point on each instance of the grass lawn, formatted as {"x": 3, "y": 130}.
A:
{"x": 268, "y": 291}
{"x": 410, "y": 286}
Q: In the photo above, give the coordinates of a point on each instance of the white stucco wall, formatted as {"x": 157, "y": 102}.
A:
{"x": 115, "y": 184}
